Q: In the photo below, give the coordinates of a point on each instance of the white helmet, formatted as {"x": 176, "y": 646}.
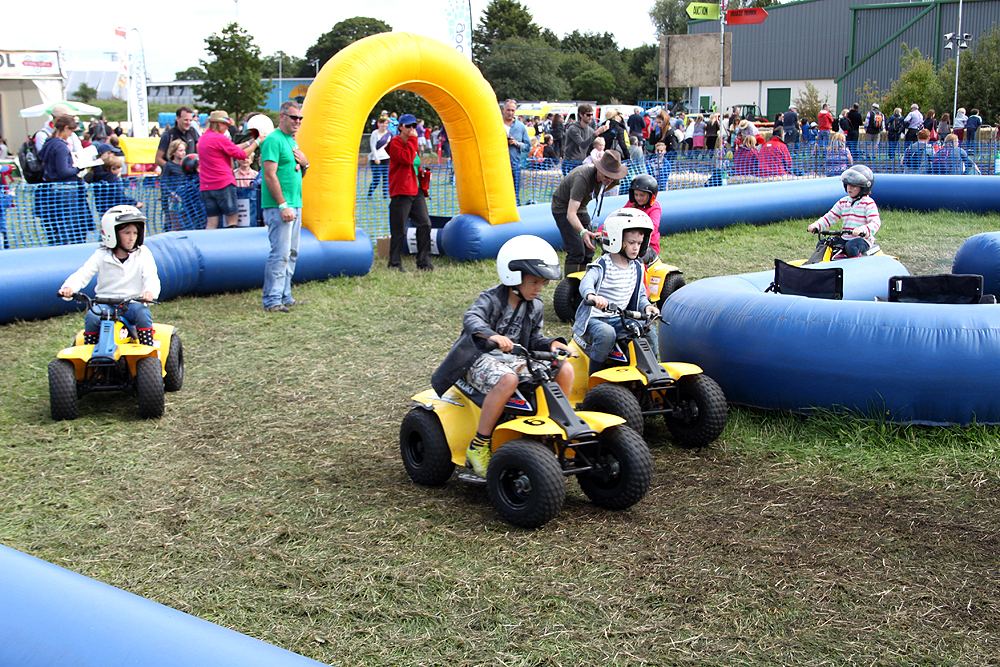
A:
{"x": 622, "y": 220}
{"x": 260, "y": 126}
{"x": 527, "y": 254}
{"x": 117, "y": 216}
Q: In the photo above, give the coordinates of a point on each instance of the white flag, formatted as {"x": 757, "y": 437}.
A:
{"x": 138, "y": 111}
{"x": 459, "y": 17}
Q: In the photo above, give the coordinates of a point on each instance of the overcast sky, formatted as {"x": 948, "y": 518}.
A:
{"x": 174, "y": 33}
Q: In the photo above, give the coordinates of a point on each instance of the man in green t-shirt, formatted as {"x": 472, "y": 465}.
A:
{"x": 283, "y": 164}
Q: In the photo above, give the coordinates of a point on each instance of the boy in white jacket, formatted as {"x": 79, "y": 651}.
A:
{"x": 124, "y": 267}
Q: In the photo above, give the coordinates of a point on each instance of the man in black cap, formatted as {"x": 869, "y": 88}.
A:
{"x": 569, "y": 205}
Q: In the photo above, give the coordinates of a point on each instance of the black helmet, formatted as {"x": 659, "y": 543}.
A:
{"x": 861, "y": 176}
{"x": 190, "y": 164}
{"x": 643, "y": 183}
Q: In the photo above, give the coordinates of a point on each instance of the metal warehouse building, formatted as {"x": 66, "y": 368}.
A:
{"x": 837, "y": 45}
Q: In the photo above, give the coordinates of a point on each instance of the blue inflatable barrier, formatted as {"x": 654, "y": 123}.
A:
{"x": 51, "y": 616}
{"x": 980, "y": 254}
{"x": 469, "y": 237}
{"x": 194, "y": 262}
{"x": 901, "y": 362}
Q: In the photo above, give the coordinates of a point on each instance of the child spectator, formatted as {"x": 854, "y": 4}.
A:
{"x": 535, "y": 156}
{"x": 838, "y": 155}
{"x": 774, "y": 158}
{"x": 595, "y": 155}
{"x": 506, "y": 314}
{"x": 745, "y": 160}
{"x": 243, "y": 174}
{"x": 918, "y": 157}
{"x": 109, "y": 189}
{"x": 857, "y": 212}
{"x": 617, "y": 277}
{"x": 659, "y": 166}
{"x": 172, "y": 179}
{"x": 953, "y": 159}
{"x": 124, "y": 268}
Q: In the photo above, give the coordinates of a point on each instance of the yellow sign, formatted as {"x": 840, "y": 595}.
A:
{"x": 703, "y": 10}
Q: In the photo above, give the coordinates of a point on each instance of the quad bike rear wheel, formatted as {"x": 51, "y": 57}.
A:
{"x": 673, "y": 282}
{"x": 525, "y": 483}
{"x": 424, "y": 448}
{"x": 63, "y": 397}
{"x": 149, "y": 387}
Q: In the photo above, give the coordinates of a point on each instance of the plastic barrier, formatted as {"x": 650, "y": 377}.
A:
{"x": 980, "y": 254}
{"x": 51, "y": 616}
{"x": 902, "y": 362}
{"x": 755, "y": 204}
{"x": 195, "y": 262}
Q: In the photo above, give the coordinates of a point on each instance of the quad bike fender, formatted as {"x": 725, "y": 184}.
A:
{"x": 679, "y": 369}
{"x": 600, "y": 420}
{"x": 458, "y": 416}
{"x": 617, "y": 374}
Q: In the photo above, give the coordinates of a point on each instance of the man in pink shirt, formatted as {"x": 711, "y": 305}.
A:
{"x": 216, "y": 153}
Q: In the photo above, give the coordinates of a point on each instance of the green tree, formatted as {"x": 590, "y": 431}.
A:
{"x": 290, "y": 66}
{"x": 232, "y": 77}
{"x": 917, "y": 81}
{"x": 979, "y": 77}
{"x": 343, "y": 33}
{"x": 596, "y": 84}
{"x": 574, "y": 64}
{"x": 669, "y": 17}
{"x": 85, "y": 93}
{"x": 191, "y": 74}
{"x": 501, "y": 20}
{"x": 524, "y": 69}
{"x": 643, "y": 68}
{"x": 809, "y": 101}
{"x": 589, "y": 43}
{"x": 403, "y": 101}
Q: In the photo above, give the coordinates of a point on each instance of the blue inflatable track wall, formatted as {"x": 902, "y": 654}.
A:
{"x": 195, "y": 262}
{"x": 902, "y": 362}
{"x": 51, "y": 616}
{"x": 469, "y": 237}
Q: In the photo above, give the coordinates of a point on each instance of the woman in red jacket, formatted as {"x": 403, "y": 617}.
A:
{"x": 406, "y": 198}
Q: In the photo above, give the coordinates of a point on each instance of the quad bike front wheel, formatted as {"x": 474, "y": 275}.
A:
{"x": 566, "y": 299}
{"x": 615, "y": 399}
{"x": 174, "y": 368}
{"x": 63, "y": 397}
{"x": 424, "y": 448}
{"x": 149, "y": 387}
{"x": 525, "y": 483}
{"x": 623, "y": 470}
{"x": 701, "y": 412}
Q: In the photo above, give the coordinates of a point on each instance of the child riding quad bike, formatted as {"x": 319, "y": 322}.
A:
{"x": 662, "y": 279}
{"x": 859, "y": 218}
{"x": 117, "y": 362}
{"x": 538, "y": 438}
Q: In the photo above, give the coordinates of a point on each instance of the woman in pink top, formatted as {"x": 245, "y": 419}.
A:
{"x": 216, "y": 153}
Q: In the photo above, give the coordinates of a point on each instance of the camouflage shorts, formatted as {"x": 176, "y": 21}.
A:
{"x": 487, "y": 370}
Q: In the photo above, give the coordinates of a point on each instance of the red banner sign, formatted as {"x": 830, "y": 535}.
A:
{"x": 746, "y": 16}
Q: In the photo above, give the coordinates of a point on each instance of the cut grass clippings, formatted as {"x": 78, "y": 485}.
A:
{"x": 270, "y": 498}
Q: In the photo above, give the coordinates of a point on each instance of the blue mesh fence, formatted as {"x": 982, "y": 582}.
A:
{"x": 58, "y": 213}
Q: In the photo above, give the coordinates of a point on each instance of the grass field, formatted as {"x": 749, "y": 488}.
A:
{"x": 270, "y": 498}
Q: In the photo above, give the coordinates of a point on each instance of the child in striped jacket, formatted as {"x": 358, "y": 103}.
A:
{"x": 857, "y": 212}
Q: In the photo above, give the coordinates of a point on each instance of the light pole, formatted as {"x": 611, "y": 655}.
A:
{"x": 963, "y": 43}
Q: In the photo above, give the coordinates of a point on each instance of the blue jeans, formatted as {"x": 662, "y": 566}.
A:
{"x": 280, "y": 266}
{"x": 138, "y": 314}
{"x": 602, "y": 332}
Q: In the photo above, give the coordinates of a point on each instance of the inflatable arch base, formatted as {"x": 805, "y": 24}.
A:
{"x": 195, "y": 262}
{"x": 51, "y": 616}
{"x": 899, "y": 362}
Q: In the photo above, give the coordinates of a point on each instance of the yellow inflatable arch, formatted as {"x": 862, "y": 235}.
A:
{"x": 349, "y": 86}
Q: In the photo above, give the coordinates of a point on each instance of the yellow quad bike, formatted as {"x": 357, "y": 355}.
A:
{"x": 118, "y": 362}
{"x": 662, "y": 280}
{"x": 634, "y": 385}
{"x": 537, "y": 442}
{"x": 831, "y": 248}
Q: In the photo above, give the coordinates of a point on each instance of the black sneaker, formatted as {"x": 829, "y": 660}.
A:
{"x": 280, "y": 308}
